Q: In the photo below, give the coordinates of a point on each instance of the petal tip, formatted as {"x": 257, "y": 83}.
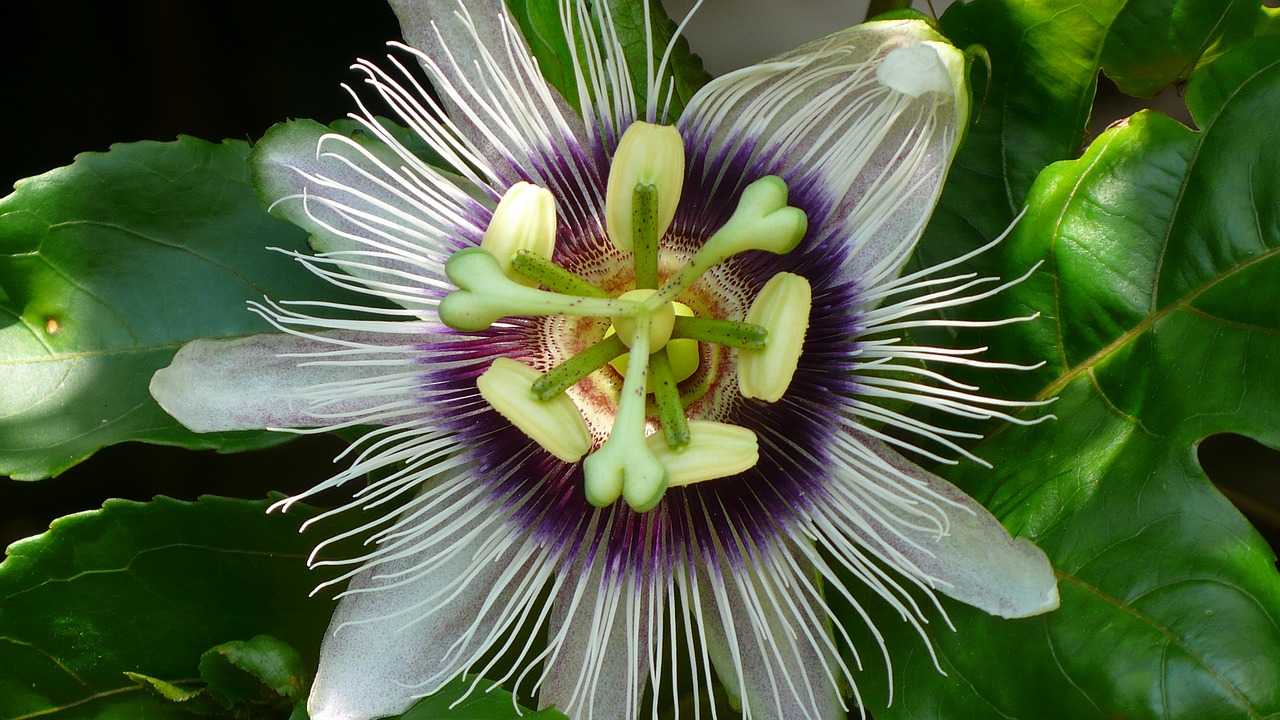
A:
{"x": 1034, "y": 591}
{"x": 914, "y": 70}
{"x": 169, "y": 387}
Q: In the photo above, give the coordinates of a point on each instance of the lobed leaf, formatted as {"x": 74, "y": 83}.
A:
{"x": 1044, "y": 57}
{"x": 261, "y": 668}
{"x": 147, "y": 588}
{"x": 112, "y": 614}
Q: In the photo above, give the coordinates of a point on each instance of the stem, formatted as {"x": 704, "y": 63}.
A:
{"x": 877, "y": 7}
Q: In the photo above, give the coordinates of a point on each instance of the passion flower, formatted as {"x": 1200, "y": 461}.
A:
{"x": 635, "y": 381}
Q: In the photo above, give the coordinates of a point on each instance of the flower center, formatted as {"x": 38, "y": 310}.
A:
{"x": 662, "y": 319}
{"x": 653, "y": 340}
{"x": 681, "y": 352}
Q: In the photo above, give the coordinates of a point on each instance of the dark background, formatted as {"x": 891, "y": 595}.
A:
{"x": 80, "y": 75}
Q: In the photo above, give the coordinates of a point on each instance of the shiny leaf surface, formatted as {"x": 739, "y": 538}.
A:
{"x": 1158, "y": 300}
{"x": 109, "y": 266}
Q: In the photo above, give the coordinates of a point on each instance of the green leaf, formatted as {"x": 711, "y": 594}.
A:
{"x": 260, "y": 669}
{"x": 1033, "y": 112}
{"x": 1160, "y": 328}
{"x": 685, "y": 67}
{"x": 1156, "y": 43}
{"x": 1268, "y": 21}
{"x": 192, "y": 700}
{"x": 540, "y": 24}
{"x": 109, "y": 266}
{"x": 166, "y": 690}
{"x": 147, "y": 588}
{"x": 479, "y": 705}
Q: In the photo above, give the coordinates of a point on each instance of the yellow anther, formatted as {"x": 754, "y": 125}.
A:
{"x": 647, "y": 154}
{"x": 555, "y": 424}
{"x": 525, "y": 219}
{"x": 782, "y": 308}
{"x": 715, "y": 450}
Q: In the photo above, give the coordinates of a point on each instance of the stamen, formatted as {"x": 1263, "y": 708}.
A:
{"x": 568, "y": 373}
{"x": 762, "y": 221}
{"x": 500, "y": 279}
{"x": 782, "y": 308}
{"x": 486, "y": 294}
{"x": 554, "y": 277}
{"x": 647, "y": 154}
{"x": 524, "y": 221}
{"x": 715, "y": 450}
{"x": 718, "y": 332}
{"x": 555, "y": 424}
{"x": 624, "y": 465}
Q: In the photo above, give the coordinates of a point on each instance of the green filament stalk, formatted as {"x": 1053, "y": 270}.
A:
{"x": 675, "y": 426}
{"x": 566, "y": 374}
{"x": 644, "y": 219}
{"x": 554, "y": 277}
{"x": 740, "y": 335}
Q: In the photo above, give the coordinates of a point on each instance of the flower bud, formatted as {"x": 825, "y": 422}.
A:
{"x": 927, "y": 67}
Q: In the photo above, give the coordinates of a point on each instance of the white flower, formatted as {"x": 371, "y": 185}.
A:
{"x": 703, "y": 524}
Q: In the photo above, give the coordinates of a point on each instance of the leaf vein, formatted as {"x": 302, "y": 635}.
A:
{"x": 1137, "y": 330}
{"x": 61, "y": 666}
{"x": 1170, "y": 636}
{"x": 171, "y": 245}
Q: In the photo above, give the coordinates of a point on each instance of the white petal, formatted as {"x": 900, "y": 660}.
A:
{"x": 494, "y": 94}
{"x": 872, "y": 147}
{"x": 975, "y": 560}
{"x": 397, "y": 633}
{"x": 768, "y": 639}
{"x": 602, "y": 632}
{"x": 372, "y": 210}
{"x": 266, "y": 381}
